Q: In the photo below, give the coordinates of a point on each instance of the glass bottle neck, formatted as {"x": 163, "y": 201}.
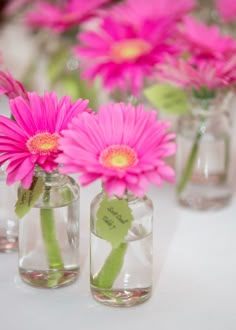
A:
{"x": 208, "y": 106}
{"x": 128, "y": 195}
{"x": 52, "y": 177}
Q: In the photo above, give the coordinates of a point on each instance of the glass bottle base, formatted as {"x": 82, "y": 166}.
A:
{"x": 49, "y": 278}
{"x": 203, "y": 203}
{"x": 8, "y": 244}
{"x": 121, "y": 298}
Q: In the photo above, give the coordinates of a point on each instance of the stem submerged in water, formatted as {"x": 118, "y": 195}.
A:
{"x": 52, "y": 247}
{"x": 111, "y": 268}
{"x": 190, "y": 163}
{"x": 187, "y": 172}
{"x": 49, "y": 236}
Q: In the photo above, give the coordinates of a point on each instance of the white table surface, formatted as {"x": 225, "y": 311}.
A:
{"x": 194, "y": 278}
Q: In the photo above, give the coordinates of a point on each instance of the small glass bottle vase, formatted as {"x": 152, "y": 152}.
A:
{"x": 49, "y": 232}
{"x": 8, "y": 218}
{"x": 121, "y": 275}
{"x": 204, "y": 155}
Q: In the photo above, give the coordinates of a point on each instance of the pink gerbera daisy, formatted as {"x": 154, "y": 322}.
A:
{"x": 136, "y": 10}
{"x": 11, "y": 87}
{"x": 122, "y": 145}
{"x": 206, "y": 42}
{"x": 62, "y": 16}
{"x": 210, "y": 74}
{"x": 32, "y": 139}
{"x": 123, "y": 54}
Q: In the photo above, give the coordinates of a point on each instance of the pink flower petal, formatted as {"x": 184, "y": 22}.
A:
{"x": 36, "y": 119}
{"x": 115, "y": 187}
{"x": 17, "y": 170}
{"x": 113, "y": 119}
{"x": 88, "y": 178}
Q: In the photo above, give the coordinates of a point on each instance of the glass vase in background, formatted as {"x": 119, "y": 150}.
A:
{"x": 204, "y": 154}
{"x": 49, "y": 233}
{"x": 122, "y": 276}
{"x": 8, "y": 218}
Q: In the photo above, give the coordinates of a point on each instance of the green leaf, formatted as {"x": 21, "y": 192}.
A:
{"x": 114, "y": 220}
{"x": 28, "y": 197}
{"x": 168, "y": 99}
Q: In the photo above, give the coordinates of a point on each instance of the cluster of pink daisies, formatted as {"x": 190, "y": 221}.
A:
{"x": 133, "y": 41}
{"x": 123, "y": 41}
{"x": 127, "y": 44}
{"x": 122, "y": 145}
{"x": 132, "y": 46}
{"x": 207, "y": 60}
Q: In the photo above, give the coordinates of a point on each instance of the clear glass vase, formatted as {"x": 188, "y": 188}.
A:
{"x": 203, "y": 156}
{"x": 49, "y": 233}
{"x": 8, "y": 218}
{"x": 122, "y": 276}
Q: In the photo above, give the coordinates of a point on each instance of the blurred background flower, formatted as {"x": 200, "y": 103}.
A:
{"x": 124, "y": 54}
{"x": 101, "y": 49}
{"x": 63, "y": 15}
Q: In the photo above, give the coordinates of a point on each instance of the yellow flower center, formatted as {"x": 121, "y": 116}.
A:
{"x": 130, "y": 49}
{"x": 118, "y": 157}
{"x": 43, "y": 143}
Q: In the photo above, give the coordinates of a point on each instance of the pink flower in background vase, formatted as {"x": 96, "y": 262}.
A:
{"x": 210, "y": 74}
{"x": 207, "y": 66}
{"x": 62, "y": 16}
{"x": 205, "y": 42}
{"x": 208, "y": 58}
{"x": 32, "y": 139}
{"x": 122, "y": 145}
{"x": 123, "y": 54}
{"x": 226, "y": 9}
{"x": 135, "y": 10}
{"x": 11, "y": 87}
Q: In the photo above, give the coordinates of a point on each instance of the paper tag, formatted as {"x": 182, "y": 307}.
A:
{"x": 114, "y": 220}
{"x": 168, "y": 99}
{"x": 28, "y": 197}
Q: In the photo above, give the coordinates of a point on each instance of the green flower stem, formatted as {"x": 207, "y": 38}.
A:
{"x": 191, "y": 160}
{"x": 52, "y": 248}
{"x": 205, "y": 96}
{"x": 53, "y": 252}
{"x": 111, "y": 268}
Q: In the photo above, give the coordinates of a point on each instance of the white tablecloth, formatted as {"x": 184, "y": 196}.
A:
{"x": 194, "y": 278}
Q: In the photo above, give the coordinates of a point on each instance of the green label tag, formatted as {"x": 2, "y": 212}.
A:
{"x": 28, "y": 197}
{"x": 169, "y": 99}
{"x": 114, "y": 220}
